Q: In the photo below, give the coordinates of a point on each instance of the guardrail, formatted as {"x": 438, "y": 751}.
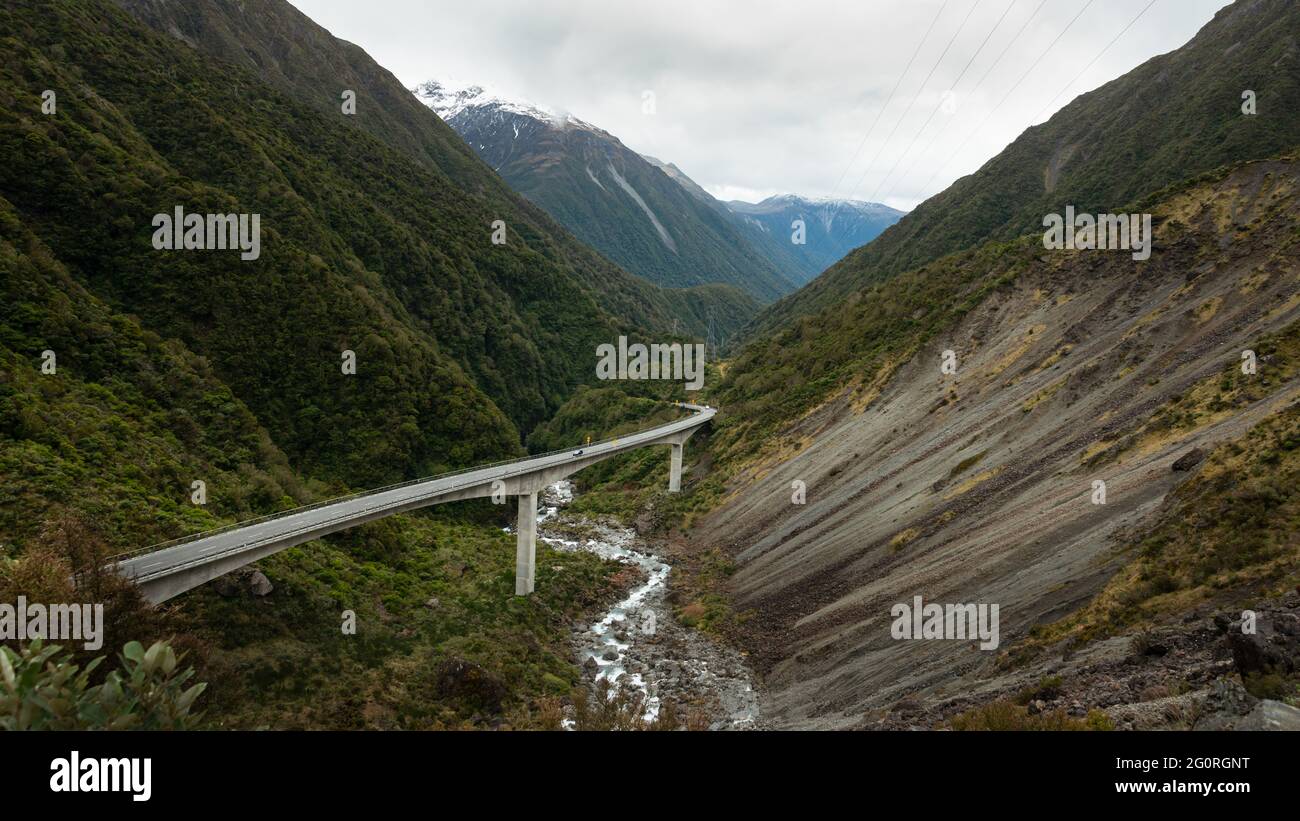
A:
{"x": 270, "y": 517}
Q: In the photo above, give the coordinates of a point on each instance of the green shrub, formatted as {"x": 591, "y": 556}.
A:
{"x": 42, "y": 689}
{"x": 1047, "y": 689}
{"x": 1004, "y": 715}
{"x": 1270, "y": 685}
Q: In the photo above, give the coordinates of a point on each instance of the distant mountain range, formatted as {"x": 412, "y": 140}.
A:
{"x": 646, "y": 214}
{"x": 832, "y": 227}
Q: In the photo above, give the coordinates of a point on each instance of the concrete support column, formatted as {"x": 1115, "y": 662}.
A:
{"x": 675, "y": 471}
{"x": 526, "y": 544}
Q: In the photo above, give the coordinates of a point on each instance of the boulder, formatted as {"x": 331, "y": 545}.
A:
{"x": 245, "y": 580}
{"x": 1267, "y": 650}
{"x": 1225, "y": 705}
{"x": 1271, "y": 715}
{"x": 1189, "y": 460}
{"x": 228, "y": 586}
{"x": 469, "y": 683}
{"x": 259, "y": 584}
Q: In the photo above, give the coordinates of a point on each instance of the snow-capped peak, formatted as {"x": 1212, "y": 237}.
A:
{"x": 839, "y": 202}
{"x": 448, "y": 99}
{"x": 781, "y": 201}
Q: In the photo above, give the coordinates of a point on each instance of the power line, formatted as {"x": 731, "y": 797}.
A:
{"x": 870, "y": 131}
{"x": 1005, "y": 49}
{"x": 1012, "y": 90}
{"x": 939, "y": 105}
{"x": 1113, "y": 41}
{"x": 1021, "y": 31}
{"x": 915, "y": 97}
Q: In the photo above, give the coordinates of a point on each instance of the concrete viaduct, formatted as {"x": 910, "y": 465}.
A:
{"x": 167, "y": 570}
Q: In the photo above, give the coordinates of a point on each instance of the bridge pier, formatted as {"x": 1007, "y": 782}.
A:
{"x": 678, "y": 443}
{"x": 526, "y": 544}
{"x": 675, "y": 469}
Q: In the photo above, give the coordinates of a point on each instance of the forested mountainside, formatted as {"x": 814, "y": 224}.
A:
{"x": 290, "y": 52}
{"x": 128, "y": 373}
{"x": 349, "y": 258}
{"x": 1175, "y": 116}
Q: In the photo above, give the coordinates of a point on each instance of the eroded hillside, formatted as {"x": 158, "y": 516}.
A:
{"x": 1073, "y": 366}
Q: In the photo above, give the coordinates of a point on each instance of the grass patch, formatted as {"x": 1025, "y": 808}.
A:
{"x": 1005, "y": 716}
{"x": 903, "y": 538}
{"x": 966, "y": 464}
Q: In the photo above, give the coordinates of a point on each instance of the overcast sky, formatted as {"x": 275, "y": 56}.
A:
{"x": 757, "y": 98}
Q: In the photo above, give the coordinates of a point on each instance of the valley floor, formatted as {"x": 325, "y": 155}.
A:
{"x": 441, "y": 642}
{"x": 639, "y": 644}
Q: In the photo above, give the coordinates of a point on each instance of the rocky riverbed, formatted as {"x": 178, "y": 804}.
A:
{"x": 637, "y": 643}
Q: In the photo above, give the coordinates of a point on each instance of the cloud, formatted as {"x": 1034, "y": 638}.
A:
{"x": 767, "y": 97}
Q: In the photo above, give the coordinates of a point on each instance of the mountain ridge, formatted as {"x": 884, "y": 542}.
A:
{"x": 289, "y": 51}
{"x": 531, "y": 146}
{"x": 832, "y": 227}
{"x": 608, "y": 195}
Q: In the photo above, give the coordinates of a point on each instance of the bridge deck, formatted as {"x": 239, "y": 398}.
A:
{"x": 230, "y": 547}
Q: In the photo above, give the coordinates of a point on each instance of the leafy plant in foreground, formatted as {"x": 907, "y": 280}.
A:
{"x": 42, "y": 689}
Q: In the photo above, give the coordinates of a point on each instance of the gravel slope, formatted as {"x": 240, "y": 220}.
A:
{"x": 1078, "y": 353}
